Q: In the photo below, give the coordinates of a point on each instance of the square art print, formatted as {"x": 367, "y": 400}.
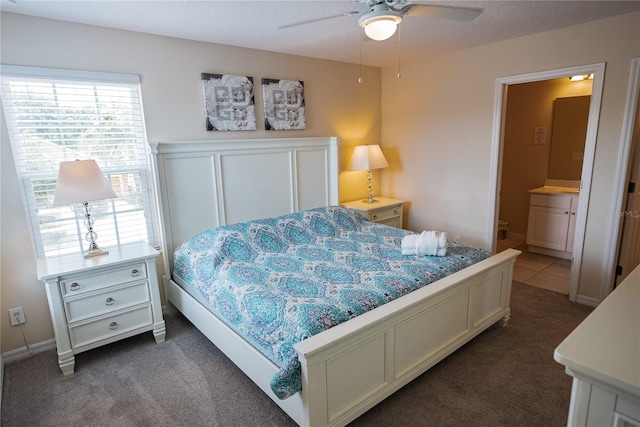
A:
{"x": 228, "y": 102}
{"x": 283, "y": 104}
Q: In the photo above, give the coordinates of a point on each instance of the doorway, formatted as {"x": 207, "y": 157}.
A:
{"x": 629, "y": 252}
{"x": 499, "y": 123}
{"x": 543, "y": 145}
{"x": 625, "y": 229}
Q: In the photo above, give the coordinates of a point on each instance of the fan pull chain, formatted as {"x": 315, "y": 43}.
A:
{"x": 360, "y": 72}
{"x": 399, "y": 48}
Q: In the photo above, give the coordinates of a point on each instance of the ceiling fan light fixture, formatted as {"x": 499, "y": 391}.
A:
{"x": 380, "y": 24}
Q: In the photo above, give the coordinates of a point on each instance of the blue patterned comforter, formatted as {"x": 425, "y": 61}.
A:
{"x": 280, "y": 280}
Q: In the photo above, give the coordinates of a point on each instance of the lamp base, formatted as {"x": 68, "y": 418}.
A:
{"x": 370, "y": 200}
{"x": 91, "y": 236}
{"x": 95, "y": 252}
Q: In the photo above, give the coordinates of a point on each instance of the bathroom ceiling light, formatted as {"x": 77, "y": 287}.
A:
{"x": 581, "y": 77}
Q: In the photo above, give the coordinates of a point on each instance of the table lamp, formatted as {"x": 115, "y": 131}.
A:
{"x": 367, "y": 157}
{"x": 82, "y": 181}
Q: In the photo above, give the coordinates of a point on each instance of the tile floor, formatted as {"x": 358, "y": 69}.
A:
{"x": 539, "y": 270}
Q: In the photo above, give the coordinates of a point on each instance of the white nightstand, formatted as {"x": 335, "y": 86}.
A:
{"x": 386, "y": 211}
{"x": 98, "y": 300}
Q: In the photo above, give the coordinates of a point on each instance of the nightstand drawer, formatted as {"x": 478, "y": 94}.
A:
{"x": 385, "y": 214}
{"x": 106, "y": 302}
{"x": 391, "y": 222}
{"x": 386, "y": 211}
{"x": 80, "y": 284}
{"x": 102, "y": 329}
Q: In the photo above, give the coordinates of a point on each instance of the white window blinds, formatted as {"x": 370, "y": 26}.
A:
{"x": 57, "y": 115}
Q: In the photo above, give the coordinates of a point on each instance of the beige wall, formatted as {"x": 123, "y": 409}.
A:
{"x": 438, "y": 120}
{"x": 524, "y": 164}
{"x": 170, "y": 73}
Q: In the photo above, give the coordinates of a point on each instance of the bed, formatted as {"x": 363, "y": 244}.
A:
{"x": 212, "y": 185}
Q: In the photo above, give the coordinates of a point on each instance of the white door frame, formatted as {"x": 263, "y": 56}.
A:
{"x": 623, "y": 165}
{"x": 497, "y": 139}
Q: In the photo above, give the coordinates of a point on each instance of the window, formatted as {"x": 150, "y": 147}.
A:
{"x": 57, "y": 115}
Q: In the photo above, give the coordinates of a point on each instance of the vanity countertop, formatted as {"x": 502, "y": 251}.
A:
{"x": 558, "y": 186}
{"x": 556, "y": 190}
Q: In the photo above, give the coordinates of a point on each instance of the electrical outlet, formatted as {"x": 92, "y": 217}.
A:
{"x": 17, "y": 316}
{"x": 457, "y": 238}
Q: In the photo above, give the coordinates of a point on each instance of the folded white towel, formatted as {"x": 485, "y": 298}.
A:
{"x": 431, "y": 243}
{"x": 409, "y": 242}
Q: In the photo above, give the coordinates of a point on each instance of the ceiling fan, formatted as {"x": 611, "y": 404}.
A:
{"x": 382, "y": 18}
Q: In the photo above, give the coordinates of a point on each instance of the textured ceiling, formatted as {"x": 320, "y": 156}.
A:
{"x": 255, "y": 24}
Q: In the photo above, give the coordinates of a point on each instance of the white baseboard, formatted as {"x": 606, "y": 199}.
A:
{"x": 550, "y": 252}
{"x": 592, "y": 302}
{"x": 24, "y": 352}
{"x": 515, "y": 236}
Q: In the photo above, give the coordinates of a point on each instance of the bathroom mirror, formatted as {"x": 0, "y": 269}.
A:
{"x": 569, "y": 131}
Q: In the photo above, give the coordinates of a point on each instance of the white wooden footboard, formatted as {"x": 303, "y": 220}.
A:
{"x": 353, "y": 366}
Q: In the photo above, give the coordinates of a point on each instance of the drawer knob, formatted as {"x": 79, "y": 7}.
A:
{"x": 375, "y": 217}
{"x": 135, "y": 272}
{"x": 74, "y": 286}
{"x": 113, "y": 326}
{"x": 566, "y": 212}
{"x": 110, "y": 301}
{"x": 573, "y": 213}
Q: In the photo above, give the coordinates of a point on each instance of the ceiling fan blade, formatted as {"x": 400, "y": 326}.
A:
{"x": 296, "y": 24}
{"x": 441, "y": 12}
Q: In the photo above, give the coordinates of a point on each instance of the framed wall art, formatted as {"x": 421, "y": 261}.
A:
{"x": 228, "y": 102}
{"x": 283, "y": 104}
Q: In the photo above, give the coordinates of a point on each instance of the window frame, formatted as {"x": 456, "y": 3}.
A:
{"x": 139, "y": 169}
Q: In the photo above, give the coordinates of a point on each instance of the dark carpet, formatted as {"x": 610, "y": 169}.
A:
{"x": 504, "y": 377}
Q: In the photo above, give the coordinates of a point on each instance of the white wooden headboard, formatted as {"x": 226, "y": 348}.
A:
{"x": 205, "y": 184}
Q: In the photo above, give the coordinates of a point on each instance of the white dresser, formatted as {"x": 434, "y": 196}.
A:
{"x": 386, "y": 211}
{"x": 603, "y": 356}
{"x": 98, "y": 300}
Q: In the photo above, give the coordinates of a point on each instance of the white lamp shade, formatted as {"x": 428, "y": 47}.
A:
{"x": 81, "y": 181}
{"x": 367, "y": 157}
{"x": 381, "y": 29}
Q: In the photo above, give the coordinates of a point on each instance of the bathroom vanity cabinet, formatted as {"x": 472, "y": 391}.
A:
{"x": 552, "y": 222}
